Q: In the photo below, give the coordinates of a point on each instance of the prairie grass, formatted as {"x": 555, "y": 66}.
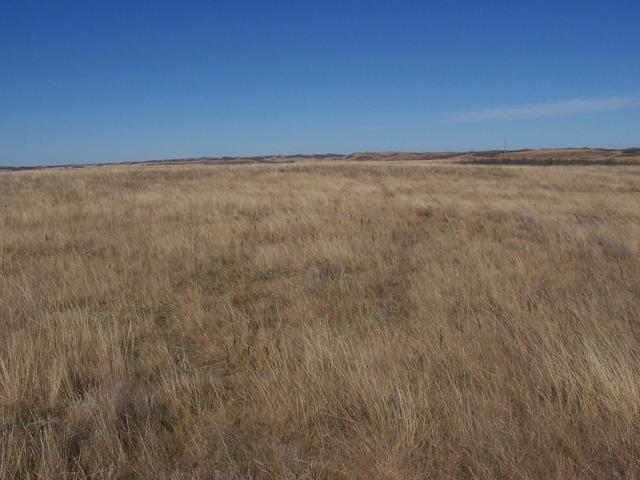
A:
{"x": 326, "y": 320}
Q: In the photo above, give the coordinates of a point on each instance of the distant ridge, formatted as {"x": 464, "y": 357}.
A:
{"x": 558, "y": 156}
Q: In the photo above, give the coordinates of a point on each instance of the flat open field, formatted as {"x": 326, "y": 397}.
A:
{"x": 320, "y": 319}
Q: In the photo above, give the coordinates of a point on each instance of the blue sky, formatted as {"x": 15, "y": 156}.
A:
{"x": 116, "y": 81}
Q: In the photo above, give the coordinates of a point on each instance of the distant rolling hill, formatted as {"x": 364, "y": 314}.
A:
{"x": 541, "y": 157}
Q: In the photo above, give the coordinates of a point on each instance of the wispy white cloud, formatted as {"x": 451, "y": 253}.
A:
{"x": 550, "y": 109}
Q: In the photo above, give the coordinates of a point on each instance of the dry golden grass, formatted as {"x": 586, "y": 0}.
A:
{"x": 320, "y": 320}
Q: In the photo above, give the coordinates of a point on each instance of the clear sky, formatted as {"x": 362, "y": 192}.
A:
{"x": 93, "y": 81}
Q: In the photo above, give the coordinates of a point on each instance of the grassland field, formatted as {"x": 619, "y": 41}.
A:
{"x": 405, "y": 319}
